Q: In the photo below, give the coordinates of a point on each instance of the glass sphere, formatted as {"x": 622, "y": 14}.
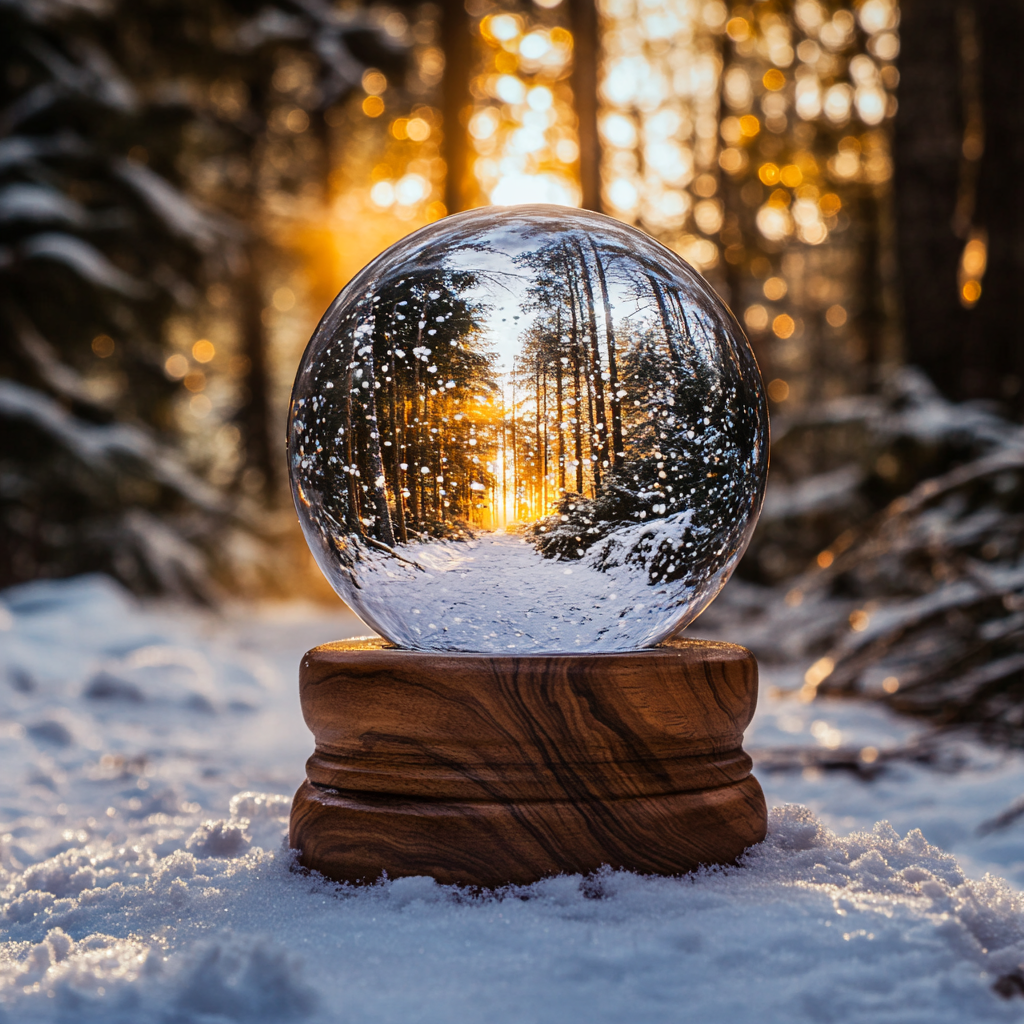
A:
{"x": 528, "y": 429}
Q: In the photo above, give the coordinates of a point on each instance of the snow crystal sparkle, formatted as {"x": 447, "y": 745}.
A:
{"x": 528, "y": 429}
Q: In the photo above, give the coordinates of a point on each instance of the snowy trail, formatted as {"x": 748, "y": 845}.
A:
{"x": 497, "y": 593}
{"x": 493, "y": 593}
{"x": 117, "y": 903}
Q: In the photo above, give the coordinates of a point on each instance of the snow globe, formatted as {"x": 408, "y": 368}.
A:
{"x": 527, "y": 445}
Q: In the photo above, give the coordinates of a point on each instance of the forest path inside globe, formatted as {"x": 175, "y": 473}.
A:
{"x": 497, "y": 593}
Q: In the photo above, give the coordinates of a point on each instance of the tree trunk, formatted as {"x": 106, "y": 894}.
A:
{"x": 544, "y": 464}
{"x": 538, "y": 495}
{"x": 427, "y": 452}
{"x": 374, "y": 462}
{"x": 515, "y": 448}
{"x": 613, "y": 371}
{"x": 457, "y": 45}
{"x": 577, "y": 410}
{"x": 574, "y": 344}
{"x": 927, "y": 155}
{"x": 397, "y": 436}
{"x": 869, "y": 321}
{"x": 595, "y": 353}
{"x": 601, "y": 424}
{"x": 670, "y": 329}
{"x": 413, "y": 455}
{"x": 354, "y": 521}
{"x": 254, "y": 412}
{"x": 995, "y": 339}
{"x": 584, "y": 23}
{"x": 558, "y": 405}
{"x": 439, "y": 485}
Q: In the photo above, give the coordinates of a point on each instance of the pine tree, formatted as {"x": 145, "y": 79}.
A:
{"x": 138, "y": 142}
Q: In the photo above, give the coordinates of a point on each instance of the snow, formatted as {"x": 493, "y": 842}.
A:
{"x": 179, "y": 214}
{"x": 498, "y": 593}
{"x": 85, "y": 260}
{"x": 25, "y": 202}
{"x": 911, "y": 408}
{"x": 148, "y": 753}
{"x": 822, "y": 492}
{"x": 26, "y": 149}
{"x": 106, "y": 447}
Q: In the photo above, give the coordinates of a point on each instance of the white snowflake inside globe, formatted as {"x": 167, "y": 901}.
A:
{"x": 528, "y": 430}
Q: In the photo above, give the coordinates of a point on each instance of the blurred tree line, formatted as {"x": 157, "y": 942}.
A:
{"x": 845, "y": 172}
{"x": 140, "y": 144}
{"x": 959, "y": 195}
{"x": 893, "y": 525}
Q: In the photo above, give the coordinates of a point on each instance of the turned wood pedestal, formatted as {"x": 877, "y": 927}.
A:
{"x": 483, "y": 770}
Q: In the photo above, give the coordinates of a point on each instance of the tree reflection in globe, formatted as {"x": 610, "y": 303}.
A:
{"x": 528, "y": 430}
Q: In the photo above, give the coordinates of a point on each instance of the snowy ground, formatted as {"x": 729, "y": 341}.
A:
{"x": 497, "y": 593}
{"x": 124, "y": 728}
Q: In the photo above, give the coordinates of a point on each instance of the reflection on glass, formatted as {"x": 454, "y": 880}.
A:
{"x": 528, "y": 429}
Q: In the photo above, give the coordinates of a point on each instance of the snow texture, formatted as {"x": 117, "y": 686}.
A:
{"x": 147, "y": 757}
{"x": 105, "y": 447}
{"x": 26, "y": 202}
{"x": 85, "y": 260}
{"x": 515, "y": 598}
{"x": 179, "y": 214}
{"x": 820, "y": 493}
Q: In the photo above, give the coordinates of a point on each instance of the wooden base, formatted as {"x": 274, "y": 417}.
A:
{"x": 487, "y": 770}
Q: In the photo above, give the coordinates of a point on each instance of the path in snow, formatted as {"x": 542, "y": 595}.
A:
{"x": 498, "y": 593}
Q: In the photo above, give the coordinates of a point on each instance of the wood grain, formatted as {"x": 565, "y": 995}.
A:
{"x": 485, "y": 770}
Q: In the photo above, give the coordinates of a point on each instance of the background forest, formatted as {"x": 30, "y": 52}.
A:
{"x": 185, "y": 186}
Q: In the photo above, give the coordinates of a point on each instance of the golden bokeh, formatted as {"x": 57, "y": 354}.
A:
{"x": 283, "y": 299}
{"x": 807, "y": 97}
{"x": 176, "y": 366}
{"x": 659, "y": 87}
{"x": 522, "y": 126}
{"x": 739, "y": 135}
{"x": 374, "y": 83}
{"x": 103, "y": 346}
{"x": 973, "y": 263}
{"x": 738, "y": 29}
{"x": 791, "y": 176}
{"x": 749, "y": 125}
{"x": 835, "y": 316}
{"x": 203, "y": 351}
{"x": 783, "y": 326}
{"x": 756, "y": 317}
{"x": 830, "y": 204}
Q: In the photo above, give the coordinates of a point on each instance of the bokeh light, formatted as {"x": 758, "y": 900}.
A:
{"x": 522, "y": 127}
{"x": 807, "y": 95}
{"x": 659, "y": 92}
